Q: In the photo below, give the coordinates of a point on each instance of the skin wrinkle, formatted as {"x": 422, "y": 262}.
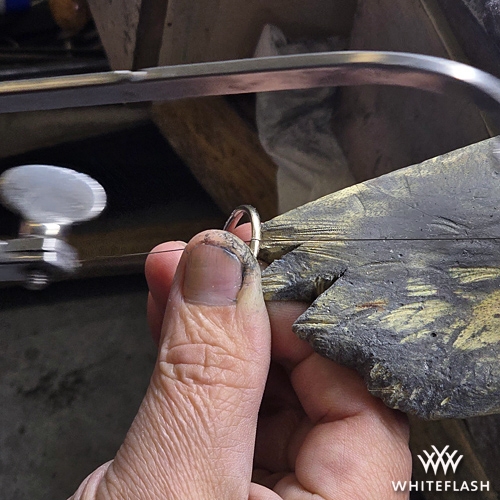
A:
{"x": 137, "y": 481}
{"x": 196, "y": 374}
{"x": 345, "y": 463}
{"x": 113, "y": 484}
{"x": 177, "y": 446}
{"x": 193, "y": 326}
{"x": 149, "y": 462}
{"x": 205, "y": 415}
{"x": 187, "y": 426}
{"x": 165, "y": 446}
{"x": 397, "y": 466}
{"x": 200, "y": 435}
{"x": 211, "y": 397}
{"x": 307, "y": 471}
{"x": 203, "y": 419}
{"x": 398, "y": 458}
{"x": 103, "y": 491}
{"x": 211, "y": 367}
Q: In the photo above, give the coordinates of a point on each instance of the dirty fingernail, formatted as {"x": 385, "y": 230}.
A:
{"x": 213, "y": 276}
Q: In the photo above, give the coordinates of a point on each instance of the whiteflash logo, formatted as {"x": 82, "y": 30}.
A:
{"x": 432, "y": 462}
{"x": 439, "y": 460}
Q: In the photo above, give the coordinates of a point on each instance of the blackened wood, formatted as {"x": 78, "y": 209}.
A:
{"x": 407, "y": 280}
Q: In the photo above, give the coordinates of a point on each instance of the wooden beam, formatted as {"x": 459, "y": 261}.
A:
{"x": 383, "y": 128}
{"x": 130, "y": 30}
{"x": 117, "y": 22}
{"x": 222, "y": 151}
{"x": 22, "y": 132}
{"x": 401, "y": 290}
{"x": 214, "y": 30}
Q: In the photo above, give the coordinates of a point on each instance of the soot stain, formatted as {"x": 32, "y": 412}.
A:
{"x": 56, "y": 391}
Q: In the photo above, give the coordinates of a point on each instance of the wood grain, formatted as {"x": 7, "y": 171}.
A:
{"x": 384, "y": 128}
{"x": 222, "y": 151}
{"x": 419, "y": 319}
{"x": 215, "y": 30}
{"x": 130, "y": 30}
{"x": 117, "y": 22}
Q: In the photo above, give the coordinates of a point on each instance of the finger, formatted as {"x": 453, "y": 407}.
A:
{"x": 88, "y": 489}
{"x": 160, "y": 268}
{"x": 343, "y": 423}
{"x": 279, "y": 416}
{"x": 244, "y": 232}
{"x": 194, "y": 434}
{"x": 287, "y": 348}
{"x": 259, "y": 492}
{"x": 354, "y": 439}
{"x": 281, "y": 413}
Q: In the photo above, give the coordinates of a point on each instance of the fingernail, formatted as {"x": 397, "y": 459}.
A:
{"x": 213, "y": 276}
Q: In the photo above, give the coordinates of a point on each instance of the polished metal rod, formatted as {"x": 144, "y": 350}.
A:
{"x": 254, "y": 75}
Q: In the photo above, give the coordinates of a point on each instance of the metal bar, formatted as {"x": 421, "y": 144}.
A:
{"x": 254, "y": 75}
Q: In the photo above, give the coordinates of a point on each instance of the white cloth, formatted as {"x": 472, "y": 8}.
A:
{"x": 295, "y": 129}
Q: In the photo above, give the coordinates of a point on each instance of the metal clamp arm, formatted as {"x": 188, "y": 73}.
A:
{"x": 36, "y": 261}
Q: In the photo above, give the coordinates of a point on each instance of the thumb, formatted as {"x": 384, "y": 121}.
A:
{"x": 194, "y": 434}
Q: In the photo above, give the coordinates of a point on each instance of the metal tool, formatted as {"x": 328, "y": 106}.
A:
{"x": 49, "y": 199}
{"x": 254, "y": 75}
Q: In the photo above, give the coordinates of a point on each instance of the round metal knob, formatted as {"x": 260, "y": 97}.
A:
{"x": 44, "y": 195}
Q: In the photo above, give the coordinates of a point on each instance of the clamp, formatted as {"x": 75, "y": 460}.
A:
{"x": 49, "y": 200}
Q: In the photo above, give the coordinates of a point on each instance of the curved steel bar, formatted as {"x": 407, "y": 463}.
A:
{"x": 254, "y": 75}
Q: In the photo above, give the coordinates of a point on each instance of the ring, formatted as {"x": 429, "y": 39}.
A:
{"x": 254, "y": 217}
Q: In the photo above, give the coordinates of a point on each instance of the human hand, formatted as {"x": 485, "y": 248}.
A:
{"x": 201, "y": 431}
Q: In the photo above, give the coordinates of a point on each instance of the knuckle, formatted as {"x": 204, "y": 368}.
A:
{"x": 201, "y": 351}
{"x": 200, "y": 364}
